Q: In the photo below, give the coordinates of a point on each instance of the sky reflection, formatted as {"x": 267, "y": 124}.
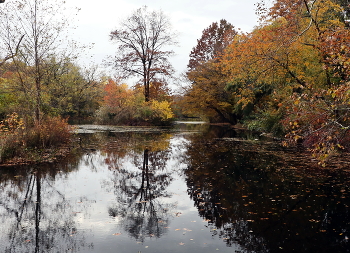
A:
{"x": 174, "y": 192}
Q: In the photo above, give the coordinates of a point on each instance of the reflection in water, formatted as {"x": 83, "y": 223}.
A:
{"x": 140, "y": 181}
{"x": 251, "y": 196}
{"x": 35, "y": 215}
{"x": 175, "y": 192}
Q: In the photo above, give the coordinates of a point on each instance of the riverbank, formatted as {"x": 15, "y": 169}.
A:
{"x": 38, "y": 142}
{"x": 224, "y": 132}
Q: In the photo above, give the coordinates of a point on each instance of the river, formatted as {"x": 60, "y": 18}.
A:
{"x": 193, "y": 188}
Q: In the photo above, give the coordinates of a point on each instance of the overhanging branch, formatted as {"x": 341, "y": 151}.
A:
{"x": 16, "y": 52}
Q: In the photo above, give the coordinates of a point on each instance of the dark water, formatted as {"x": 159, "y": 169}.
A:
{"x": 190, "y": 190}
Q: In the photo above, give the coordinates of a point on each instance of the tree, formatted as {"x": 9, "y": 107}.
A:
{"x": 142, "y": 40}
{"x": 40, "y": 25}
{"x": 211, "y": 45}
{"x": 301, "y": 50}
{"x": 207, "y": 94}
{"x": 70, "y": 89}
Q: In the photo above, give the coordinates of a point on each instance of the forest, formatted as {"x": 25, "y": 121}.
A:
{"x": 289, "y": 77}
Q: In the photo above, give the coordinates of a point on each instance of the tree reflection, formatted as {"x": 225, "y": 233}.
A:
{"x": 140, "y": 182}
{"x": 35, "y": 216}
{"x": 265, "y": 199}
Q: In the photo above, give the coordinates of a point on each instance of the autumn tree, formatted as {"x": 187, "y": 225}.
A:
{"x": 206, "y": 93}
{"x": 212, "y": 43}
{"x": 41, "y": 25}
{"x": 118, "y": 100}
{"x": 158, "y": 90}
{"x": 319, "y": 118}
{"x": 301, "y": 51}
{"x": 143, "y": 40}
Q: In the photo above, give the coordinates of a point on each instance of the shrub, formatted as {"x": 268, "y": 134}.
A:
{"x": 269, "y": 122}
{"x": 11, "y": 133}
{"x": 140, "y": 113}
{"x": 19, "y": 139}
{"x": 53, "y": 131}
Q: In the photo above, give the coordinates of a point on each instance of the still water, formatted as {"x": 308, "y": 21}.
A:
{"x": 190, "y": 189}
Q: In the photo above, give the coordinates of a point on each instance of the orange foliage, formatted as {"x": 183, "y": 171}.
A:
{"x": 116, "y": 95}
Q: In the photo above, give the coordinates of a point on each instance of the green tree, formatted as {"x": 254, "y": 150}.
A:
{"x": 71, "y": 90}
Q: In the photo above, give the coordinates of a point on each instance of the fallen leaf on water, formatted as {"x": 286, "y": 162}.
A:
{"x": 312, "y": 220}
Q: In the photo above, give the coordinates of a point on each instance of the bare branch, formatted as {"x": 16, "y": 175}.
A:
{"x": 141, "y": 39}
{"x": 12, "y": 55}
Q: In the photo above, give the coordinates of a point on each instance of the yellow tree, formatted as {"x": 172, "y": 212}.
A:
{"x": 264, "y": 67}
{"x": 318, "y": 115}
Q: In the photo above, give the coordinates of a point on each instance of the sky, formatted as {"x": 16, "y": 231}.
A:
{"x": 96, "y": 19}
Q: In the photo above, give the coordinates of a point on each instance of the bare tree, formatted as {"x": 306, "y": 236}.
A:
{"x": 142, "y": 41}
{"x": 40, "y": 25}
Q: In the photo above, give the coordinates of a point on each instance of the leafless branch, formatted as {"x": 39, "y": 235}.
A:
{"x": 12, "y": 55}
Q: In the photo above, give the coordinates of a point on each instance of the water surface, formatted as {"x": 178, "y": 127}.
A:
{"x": 189, "y": 189}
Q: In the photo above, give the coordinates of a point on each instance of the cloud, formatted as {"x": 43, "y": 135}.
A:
{"x": 189, "y": 19}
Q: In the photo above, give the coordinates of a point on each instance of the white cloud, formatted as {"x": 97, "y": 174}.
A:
{"x": 189, "y": 18}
